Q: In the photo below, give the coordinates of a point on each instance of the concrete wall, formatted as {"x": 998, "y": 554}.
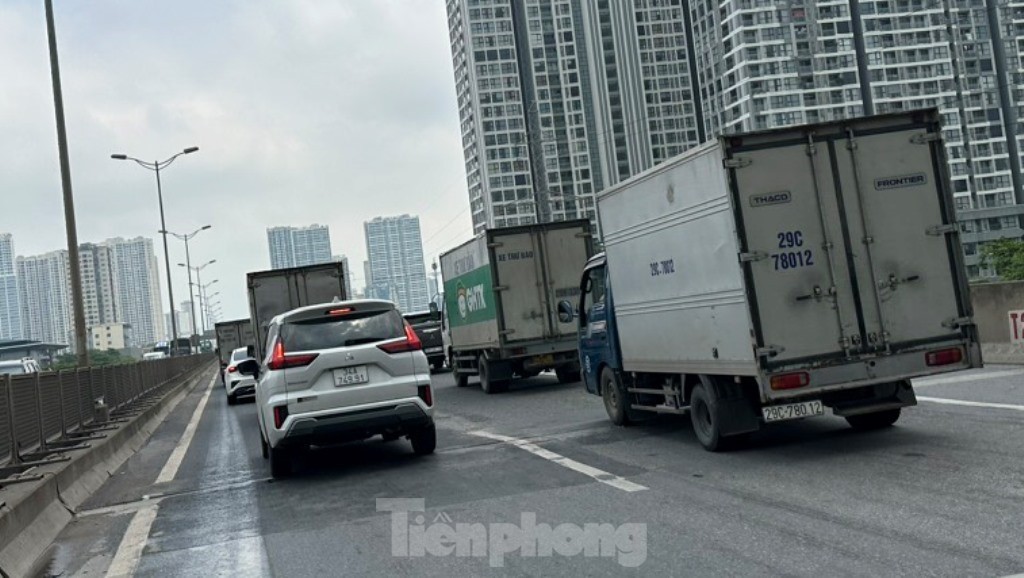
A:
{"x": 992, "y": 304}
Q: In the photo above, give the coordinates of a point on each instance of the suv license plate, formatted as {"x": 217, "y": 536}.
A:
{"x": 351, "y": 375}
{"x": 793, "y": 411}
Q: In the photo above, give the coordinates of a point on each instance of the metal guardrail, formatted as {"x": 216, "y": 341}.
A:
{"x": 45, "y": 415}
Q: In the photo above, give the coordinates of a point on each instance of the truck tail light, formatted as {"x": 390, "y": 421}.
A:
{"x": 426, "y": 395}
{"x": 410, "y": 343}
{"x": 280, "y": 360}
{"x": 791, "y": 380}
{"x": 944, "y": 356}
{"x": 280, "y": 414}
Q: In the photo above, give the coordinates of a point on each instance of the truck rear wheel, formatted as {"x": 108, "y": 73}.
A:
{"x": 704, "y": 416}
{"x": 487, "y": 383}
{"x": 614, "y": 397}
{"x": 877, "y": 420}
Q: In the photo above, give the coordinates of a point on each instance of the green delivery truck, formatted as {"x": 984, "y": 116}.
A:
{"x": 502, "y": 290}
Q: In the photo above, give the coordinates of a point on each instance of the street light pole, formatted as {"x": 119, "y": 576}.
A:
{"x": 188, "y": 263}
{"x": 155, "y": 167}
{"x": 71, "y": 227}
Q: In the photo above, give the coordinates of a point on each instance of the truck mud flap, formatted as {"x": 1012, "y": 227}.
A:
{"x": 736, "y": 416}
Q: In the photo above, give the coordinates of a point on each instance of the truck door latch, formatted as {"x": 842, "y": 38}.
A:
{"x": 893, "y": 282}
{"x": 753, "y": 256}
{"x": 940, "y": 230}
{"x": 769, "y": 351}
{"x": 817, "y": 293}
{"x": 958, "y": 322}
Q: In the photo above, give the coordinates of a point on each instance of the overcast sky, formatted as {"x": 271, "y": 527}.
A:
{"x": 305, "y": 111}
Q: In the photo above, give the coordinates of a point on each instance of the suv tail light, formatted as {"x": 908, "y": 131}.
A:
{"x": 410, "y": 343}
{"x": 944, "y": 357}
{"x": 426, "y": 394}
{"x": 280, "y": 414}
{"x": 280, "y": 360}
{"x": 232, "y": 369}
{"x": 791, "y": 380}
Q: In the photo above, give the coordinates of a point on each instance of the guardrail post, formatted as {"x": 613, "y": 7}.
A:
{"x": 39, "y": 413}
{"x": 15, "y": 454}
{"x": 60, "y": 402}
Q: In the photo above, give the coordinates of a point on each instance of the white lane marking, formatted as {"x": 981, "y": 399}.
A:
{"x": 174, "y": 462}
{"x": 129, "y": 551}
{"x": 599, "y": 475}
{"x": 960, "y": 378}
{"x": 972, "y": 403}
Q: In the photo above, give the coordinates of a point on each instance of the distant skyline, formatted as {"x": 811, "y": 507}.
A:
{"x": 395, "y": 247}
{"x": 279, "y": 140}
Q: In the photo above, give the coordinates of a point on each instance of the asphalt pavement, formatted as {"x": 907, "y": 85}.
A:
{"x": 537, "y": 482}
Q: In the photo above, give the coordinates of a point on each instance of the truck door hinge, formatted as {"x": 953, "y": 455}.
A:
{"x": 958, "y": 322}
{"x": 496, "y": 245}
{"x": 769, "y": 351}
{"x": 925, "y": 138}
{"x": 499, "y": 288}
{"x": 753, "y": 256}
{"x": 940, "y": 230}
{"x": 737, "y": 162}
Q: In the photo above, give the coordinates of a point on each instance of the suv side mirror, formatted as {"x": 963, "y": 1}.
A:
{"x": 566, "y": 313}
{"x": 249, "y": 367}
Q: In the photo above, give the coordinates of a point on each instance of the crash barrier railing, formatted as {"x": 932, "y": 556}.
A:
{"x": 46, "y": 416}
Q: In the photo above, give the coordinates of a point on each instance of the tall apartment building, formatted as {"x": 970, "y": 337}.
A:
{"x": 764, "y": 65}
{"x": 395, "y": 249}
{"x": 119, "y": 285}
{"x": 559, "y": 99}
{"x": 10, "y": 308}
{"x": 45, "y": 296}
{"x": 298, "y": 246}
{"x": 137, "y": 287}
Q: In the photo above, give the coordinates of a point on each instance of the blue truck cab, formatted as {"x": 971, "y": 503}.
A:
{"x": 597, "y": 335}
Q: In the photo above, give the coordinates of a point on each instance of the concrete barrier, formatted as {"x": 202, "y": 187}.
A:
{"x": 1000, "y": 326}
{"x": 32, "y": 514}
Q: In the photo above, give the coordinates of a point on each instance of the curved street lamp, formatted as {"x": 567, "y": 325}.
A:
{"x": 188, "y": 261}
{"x": 155, "y": 167}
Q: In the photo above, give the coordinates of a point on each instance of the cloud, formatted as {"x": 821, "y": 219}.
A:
{"x": 304, "y": 111}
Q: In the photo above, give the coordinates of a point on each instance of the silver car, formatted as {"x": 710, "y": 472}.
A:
{"x": 341, "y": 372}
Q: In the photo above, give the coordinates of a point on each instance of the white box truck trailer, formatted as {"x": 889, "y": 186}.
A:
{"x": 769, "y": 276}
{"x": 232, "y": 335}
{"x": 278, "y": 291}
{"x": 501, "y": 294}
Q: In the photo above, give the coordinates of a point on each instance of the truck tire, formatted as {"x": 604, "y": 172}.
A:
{"x": 877, "y": 420}
{"x": 424, "y": 440}
{"x": 280, "y": 463}
{"x": 486, "y": 383}
{"x": 567, "y": 374}
{"x": 704, "y": 416}
{"x": 614, "y": 396}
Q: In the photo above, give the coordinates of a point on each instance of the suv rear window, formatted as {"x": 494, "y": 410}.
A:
{"x": 354, "y": 329}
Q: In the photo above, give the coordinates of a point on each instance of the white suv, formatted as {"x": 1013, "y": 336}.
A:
{"x": 341, "y": 372}
{"x": 235, "y": 383}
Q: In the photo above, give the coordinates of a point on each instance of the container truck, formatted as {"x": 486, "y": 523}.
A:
{"x": 766, "y": 277}
{"x": 501, "y": 293}
{"x": 232, "y": 335}
{"x": 274, "y": 292}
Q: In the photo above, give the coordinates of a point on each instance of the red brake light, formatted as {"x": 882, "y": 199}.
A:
{"x": 410, "y": 343}
{"x": 944, "y": 357}
{"x": 280, "y": 360}
{"x": 232, "y": 369}
{"x": 791, "y": 380}
{"x": 280, "y": 414}
{"x": 426, "y": 395}
{"x": 341, "y": 311}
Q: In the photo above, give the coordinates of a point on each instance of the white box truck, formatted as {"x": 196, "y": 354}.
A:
{"x": 277, "y": 291}
{"x": 501, "y": 294}
{"x": 767, "y": 277}
{"x": 232, "y": 335}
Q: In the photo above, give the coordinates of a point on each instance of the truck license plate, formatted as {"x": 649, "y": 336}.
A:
{"x": 351, "y": 375}
{"x": 793, "y": 411}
